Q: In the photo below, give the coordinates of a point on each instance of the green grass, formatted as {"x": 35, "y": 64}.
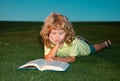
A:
{"x": 20, "y": 43}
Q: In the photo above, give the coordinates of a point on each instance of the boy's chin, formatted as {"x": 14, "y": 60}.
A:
{"x": 54, "y": 42}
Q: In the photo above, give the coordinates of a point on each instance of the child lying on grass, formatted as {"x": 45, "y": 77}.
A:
{"x": 61, "y": 43}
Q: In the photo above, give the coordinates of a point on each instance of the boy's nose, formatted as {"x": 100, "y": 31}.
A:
{"x": 57, "y": 36}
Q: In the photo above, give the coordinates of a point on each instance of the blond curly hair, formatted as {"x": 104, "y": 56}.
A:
{"x": 57, "y": 21}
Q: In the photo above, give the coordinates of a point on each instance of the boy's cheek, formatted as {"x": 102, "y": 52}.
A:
{"x": 51, "y": 39}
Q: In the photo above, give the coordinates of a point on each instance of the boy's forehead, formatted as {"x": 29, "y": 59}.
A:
{"x": 56, "y": 30}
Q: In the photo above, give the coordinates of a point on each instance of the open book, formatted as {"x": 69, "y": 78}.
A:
{"x": 42, "y": 65}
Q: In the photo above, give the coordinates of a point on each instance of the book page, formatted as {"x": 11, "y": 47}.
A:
{"x": 55, "y": 65}
{"x": 37, "y": 63}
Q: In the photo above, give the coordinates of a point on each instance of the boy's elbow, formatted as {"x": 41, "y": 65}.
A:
{"x": 73, "y": 59}
{"x": 48, "y": 58}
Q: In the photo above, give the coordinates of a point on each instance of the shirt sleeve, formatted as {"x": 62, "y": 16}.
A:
{"x": 46, "y": 50}
{"x": 74, "y": 48}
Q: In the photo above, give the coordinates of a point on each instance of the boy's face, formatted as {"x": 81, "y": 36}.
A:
{"x": 57, "y": 36}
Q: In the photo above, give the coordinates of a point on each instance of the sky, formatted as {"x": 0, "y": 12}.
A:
{"x": 75, "y": 10}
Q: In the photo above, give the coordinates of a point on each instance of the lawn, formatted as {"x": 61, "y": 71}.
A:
{"x": 20, "y": 42}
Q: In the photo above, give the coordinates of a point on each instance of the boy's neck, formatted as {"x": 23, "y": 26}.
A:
{"x": 61, "y": 45}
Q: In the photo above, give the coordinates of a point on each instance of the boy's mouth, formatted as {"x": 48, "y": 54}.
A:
{"x": 57, "y": 40}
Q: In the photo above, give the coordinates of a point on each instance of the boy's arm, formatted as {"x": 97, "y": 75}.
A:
{"x": 65, "y": 59}
{"x": 52, "y": 53}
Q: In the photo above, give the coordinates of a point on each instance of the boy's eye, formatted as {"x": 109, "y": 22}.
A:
{"x": 54, "y": 33}
{"x": 61, "y": 33}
